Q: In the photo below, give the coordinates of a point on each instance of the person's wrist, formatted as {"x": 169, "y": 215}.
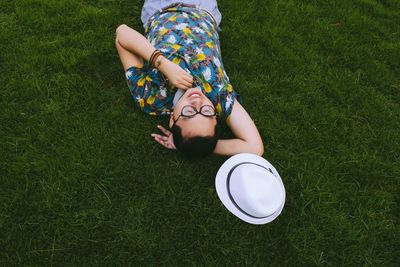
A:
{"x": 158, "y": 61}
{"x": 163, "y": 63}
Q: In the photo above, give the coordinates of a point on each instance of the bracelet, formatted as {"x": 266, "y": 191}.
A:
{"x": 153, "y": 55}
{"x": 154, "y": 59}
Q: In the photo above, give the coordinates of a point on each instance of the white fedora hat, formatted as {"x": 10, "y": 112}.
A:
{"x": 251, "y": 188}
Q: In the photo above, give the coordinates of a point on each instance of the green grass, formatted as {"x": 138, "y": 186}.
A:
{"x": 83, "y": 184}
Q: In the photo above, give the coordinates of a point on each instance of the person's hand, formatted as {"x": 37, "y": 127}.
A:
{"x": 165, "y": 140}
{"x": 177, "y": 76}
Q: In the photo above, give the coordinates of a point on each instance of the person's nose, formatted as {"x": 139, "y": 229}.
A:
{"x": 196, "y": 102}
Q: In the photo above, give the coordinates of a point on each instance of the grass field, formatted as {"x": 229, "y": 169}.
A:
{"x": 82, "y": 183}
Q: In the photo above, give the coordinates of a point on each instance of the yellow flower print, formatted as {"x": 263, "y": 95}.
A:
{"x": 186, "y": 30}
{"x": 220, "y": 71}
{"x": 151, "y": 99}
{"x": 229, "y": 88}
{"x": 141, "y": 102}
{"x": 208, "y": 33}
{"x": 163, "y": 31}
{"x": 218, "y": 108}
{"x": 172, "y": 18}
{"x": 201, "y": 56}
{"x": 154, "y": 23}
{"x": 153, "y": 113}
{"x": 141, "y": 81}
{"x": 176, "y": 60}
{"x": 148, "y": 78}
{"x": 210, "y": 44}
{"x": 176, "y": 47}
{"x": 207, "y": 87}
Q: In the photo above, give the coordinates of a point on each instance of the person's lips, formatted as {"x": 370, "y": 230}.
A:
{"x": 194, "y": 94}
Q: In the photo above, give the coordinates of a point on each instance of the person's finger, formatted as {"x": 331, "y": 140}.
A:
{"x": 188, "y": 79}
{"x": 171, "y": 144}
{"x": 168, "y": 145}
{"x": 165, "y": 131}
{"x": 156, "y": 135}
{"x": 160, "y": 140}
{"x": 160, "y": 137}
{"x": 185, "y": 84}
{"x": 187, "y": 75}
{"x": 183, "y": 87}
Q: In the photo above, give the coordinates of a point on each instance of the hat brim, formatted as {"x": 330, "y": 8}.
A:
{"x": 223, "y": 190}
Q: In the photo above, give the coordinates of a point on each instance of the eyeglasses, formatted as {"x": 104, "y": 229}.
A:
{"x": 189, "y": 111}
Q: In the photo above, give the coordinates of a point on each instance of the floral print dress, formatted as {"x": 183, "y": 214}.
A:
{"x": 188, "y": 37}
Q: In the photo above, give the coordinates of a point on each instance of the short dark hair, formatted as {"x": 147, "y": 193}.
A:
{"x": 196, "y": 146}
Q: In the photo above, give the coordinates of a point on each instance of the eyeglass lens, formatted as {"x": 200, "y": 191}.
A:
{"x": 204, "y": 110}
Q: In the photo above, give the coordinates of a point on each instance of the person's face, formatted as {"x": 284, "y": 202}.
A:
{"x": 198, "y": 125}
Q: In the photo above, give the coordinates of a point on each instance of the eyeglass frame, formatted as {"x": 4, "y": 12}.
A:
{"x": 197, "y": 112}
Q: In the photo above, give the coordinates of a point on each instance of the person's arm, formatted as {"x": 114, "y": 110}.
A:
{"x": 247, "y": 136}
{"x": 133, "y": 48}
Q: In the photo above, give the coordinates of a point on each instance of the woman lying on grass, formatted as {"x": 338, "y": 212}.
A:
{"x": 178, "y": 70}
